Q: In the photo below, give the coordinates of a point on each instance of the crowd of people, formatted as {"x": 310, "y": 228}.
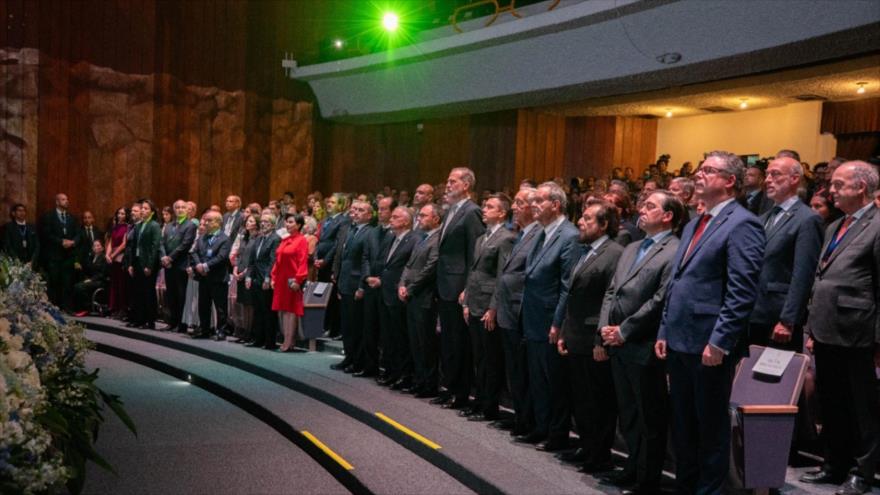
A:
{"x": 619, "y": 304}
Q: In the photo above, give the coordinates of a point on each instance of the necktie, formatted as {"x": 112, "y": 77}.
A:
{"x": 643, "y": 250}
{"x": 448, "y": 220}
{"x": 260, "y": 246}
{"x": 393, "y": 248}
{"x": 771, "y": 218}
{"x": 64, "y": 222}
{"x": 91, "y": 236}
{"x": 838, "y": 236}
{"x": 698, "y": 233}
{"x": 539, "y": 244}
{"x": 585, "y": 250}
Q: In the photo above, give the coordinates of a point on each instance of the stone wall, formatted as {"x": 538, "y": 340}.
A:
{"x": 107, "y": 138}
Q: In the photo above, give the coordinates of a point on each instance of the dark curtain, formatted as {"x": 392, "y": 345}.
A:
{"x": 858, "y": 146}
{"x": 851, "y": 117}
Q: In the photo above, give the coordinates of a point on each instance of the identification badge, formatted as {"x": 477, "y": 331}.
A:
{"x": 24, "y": 243}
{"x": 210, "y": 253}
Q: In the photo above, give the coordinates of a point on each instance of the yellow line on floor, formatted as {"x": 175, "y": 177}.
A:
{"x": 336, "y": 457}
{"x": 407, "y": 431}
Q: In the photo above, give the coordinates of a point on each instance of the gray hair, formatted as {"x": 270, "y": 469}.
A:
{"x": 686, "y": 184}
{"x": 467, "y": 175}
{"x": 733, "y": 165}
{"x": 408, "y": 212}
{"x": 435, "y": 210}
{"x": 556, "y": 194}
{"x": 866, "y": 173}
{"x": 311, "y": 226}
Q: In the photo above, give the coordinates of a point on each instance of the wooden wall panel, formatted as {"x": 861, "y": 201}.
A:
{"x": 595, "y": 145}
{"x": 540, "y": 148}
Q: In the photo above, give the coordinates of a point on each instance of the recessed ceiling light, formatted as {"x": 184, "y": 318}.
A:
{"x": 744, "y": 103}
{"x": 668, "y": 113}
{"x": 861, "y": 86}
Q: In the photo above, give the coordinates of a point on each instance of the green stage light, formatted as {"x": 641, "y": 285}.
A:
{"x": 390, "y": 21}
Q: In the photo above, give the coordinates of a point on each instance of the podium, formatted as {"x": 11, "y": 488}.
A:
{"x": 316, "y": 297}
{"x": 764, "y": 410}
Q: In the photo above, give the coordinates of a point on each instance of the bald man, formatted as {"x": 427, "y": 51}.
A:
{"x": 233, "y": 217}
{"x": 794, "y": 238}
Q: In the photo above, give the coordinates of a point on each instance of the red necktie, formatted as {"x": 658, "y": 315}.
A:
{"x": 697, "y": 234}
{"x": 844, "y": 226}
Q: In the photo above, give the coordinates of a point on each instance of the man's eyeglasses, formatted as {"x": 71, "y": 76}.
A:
{"x": 706, "y": 170}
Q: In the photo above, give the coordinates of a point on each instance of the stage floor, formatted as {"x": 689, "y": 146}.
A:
{"x": 222, "y": 418}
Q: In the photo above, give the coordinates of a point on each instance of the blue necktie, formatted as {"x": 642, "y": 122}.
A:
{"x": 643, "y": 250}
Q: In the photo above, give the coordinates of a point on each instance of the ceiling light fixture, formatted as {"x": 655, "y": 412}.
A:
{"x": 743, "y": 103}
{"x": 338, "y": 44}
{"x": 668, "y": 113}
{"x": 861, "y": 86}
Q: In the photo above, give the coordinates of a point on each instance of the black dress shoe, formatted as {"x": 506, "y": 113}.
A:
{"x": 468, "y": 412}
{"x": 855, "y": 485}
{"x": 554, "y": 445}
{"x": 502, "y": 424}
{"x": 352, "y": 369}
{"x": 579, "y": 455}
{"x": 426, "y": 394}
{"x": 441, "y": 399}
{"x": 405, "y": 382}
{"x": 822, "y": 477}
{"x": 341, "y": 365}
{"x": 618, "y": 478}
{"x": 596, "y": 467}
{"x": 365, "y": 373}
{"x": 456, "y": 404}
{"x": 220, "y": 337}
{"x": 519, "y": 430}
{"x": 132, "y": 324}
{"x": 533, "y": 438}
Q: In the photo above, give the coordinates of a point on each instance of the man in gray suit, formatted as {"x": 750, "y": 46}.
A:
{"x": 548, "y": 269}
{"x": 629, "y": 322}
{"x": 844, "y": 333}
{"x": 177, "y": 240}
{"x": 504, "y": 308}
{"x": 416, "y": 289}
{"x": 591, "y": 387}
{"x": 794, "y": 238}
{"x": 490, "y": 254}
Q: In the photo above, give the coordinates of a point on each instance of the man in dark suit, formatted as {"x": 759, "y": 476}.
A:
{"x": 144, "y": 268}
{"x": 794, "y": 239}
{"x": 757, "y": 201}
{"x": 209, "y": 262}
{"x": 95, "y": 272}
{"x": 629, "y": 322}
{"x": 89, "y": 233}
{"x": 378, "y": 241}
{"x": 233, "y": 217}
{"x": 61, "y": 236}
{"x": 548, "y": 269}
{"x": 491, "y": 251}
{"x": 128, "y": 260}
{"x": 709, "y": 297}
{"x": 20, "y": 239}
{"x": 325, "y": 250}
{"x": 589, "y": 372}
{"x": 259, "y": 272}
{"x": 505, "y": 309}
{"x": 461, "y": 226}
{"x": 351, "y": 284}
{"x": 417, "y": 290}
{"x": 396, "y": 250}
{"x": 177, "y": 240}
{"x": 844, "y": 333}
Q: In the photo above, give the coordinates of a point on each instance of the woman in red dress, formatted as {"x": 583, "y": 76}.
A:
{"x": 288, "y": 276}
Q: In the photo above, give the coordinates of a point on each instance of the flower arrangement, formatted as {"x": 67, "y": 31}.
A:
{"x": 50, "y": 407}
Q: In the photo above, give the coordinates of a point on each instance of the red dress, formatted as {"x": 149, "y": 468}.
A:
{"x": 291, "y": 261}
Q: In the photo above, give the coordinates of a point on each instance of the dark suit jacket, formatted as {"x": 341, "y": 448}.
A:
{"x": 634, "y": 300}
{"x": 392, "y": 269}
{"x": 327, "y": 242}
{"x": 375, "y": 244}
{"x": 760, "y": 204}
{"x": 146, "y": 249}
{"x": 711, "y": 294}
{"x": 25, "y": 249}
{"x": 85, "y": 242}
{"x": 237, "y": 219}
{"x": 547, "y": 272}
{"x": 846, "y": 292}
{"x": 583, "y": 297}
{"x": 507, "y": 299}
{"x": 457, "y": 250}
{"x": 790, "y": 259}
{"x": 490, "y": 256}
{"x": 260, "y": 264}
{"x": 215, "y": 255}
{"x": 177, "y": 240}
{"x": 419, "y": 275}
{"x": 95, "y": 268}
{"x": 353, "y": 268}
{"x": 54, "y": 232}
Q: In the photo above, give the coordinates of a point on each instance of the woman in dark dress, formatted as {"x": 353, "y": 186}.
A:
{"x": 239, "y": 275}
{"x": 115, "y": 252}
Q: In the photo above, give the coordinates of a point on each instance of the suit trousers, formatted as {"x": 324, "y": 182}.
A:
{"x": 351, "y": 320}
{"x": 847, "y": 391}
{"x": 144, "y": 304}
{"x": 265, "y": 322}
{"x": 642, "y": 404}
{"x": 593, "y": 405}
{"x": 421, "y": 324}
{"x": 517, "y": 372}
{"x": 700, "y": 397}
{"x": 59, "y": 282}
{"x": 396, "y": 346}
{"x": 175, "y": 294}
{"x": 215, "y": 293}
{"x": 369, "y": 354}
{"x": 332, "y": 316}
{"x": 455, "y": 350}
{"x": 548, "y": 389}
{"x": 488, "y": 365}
